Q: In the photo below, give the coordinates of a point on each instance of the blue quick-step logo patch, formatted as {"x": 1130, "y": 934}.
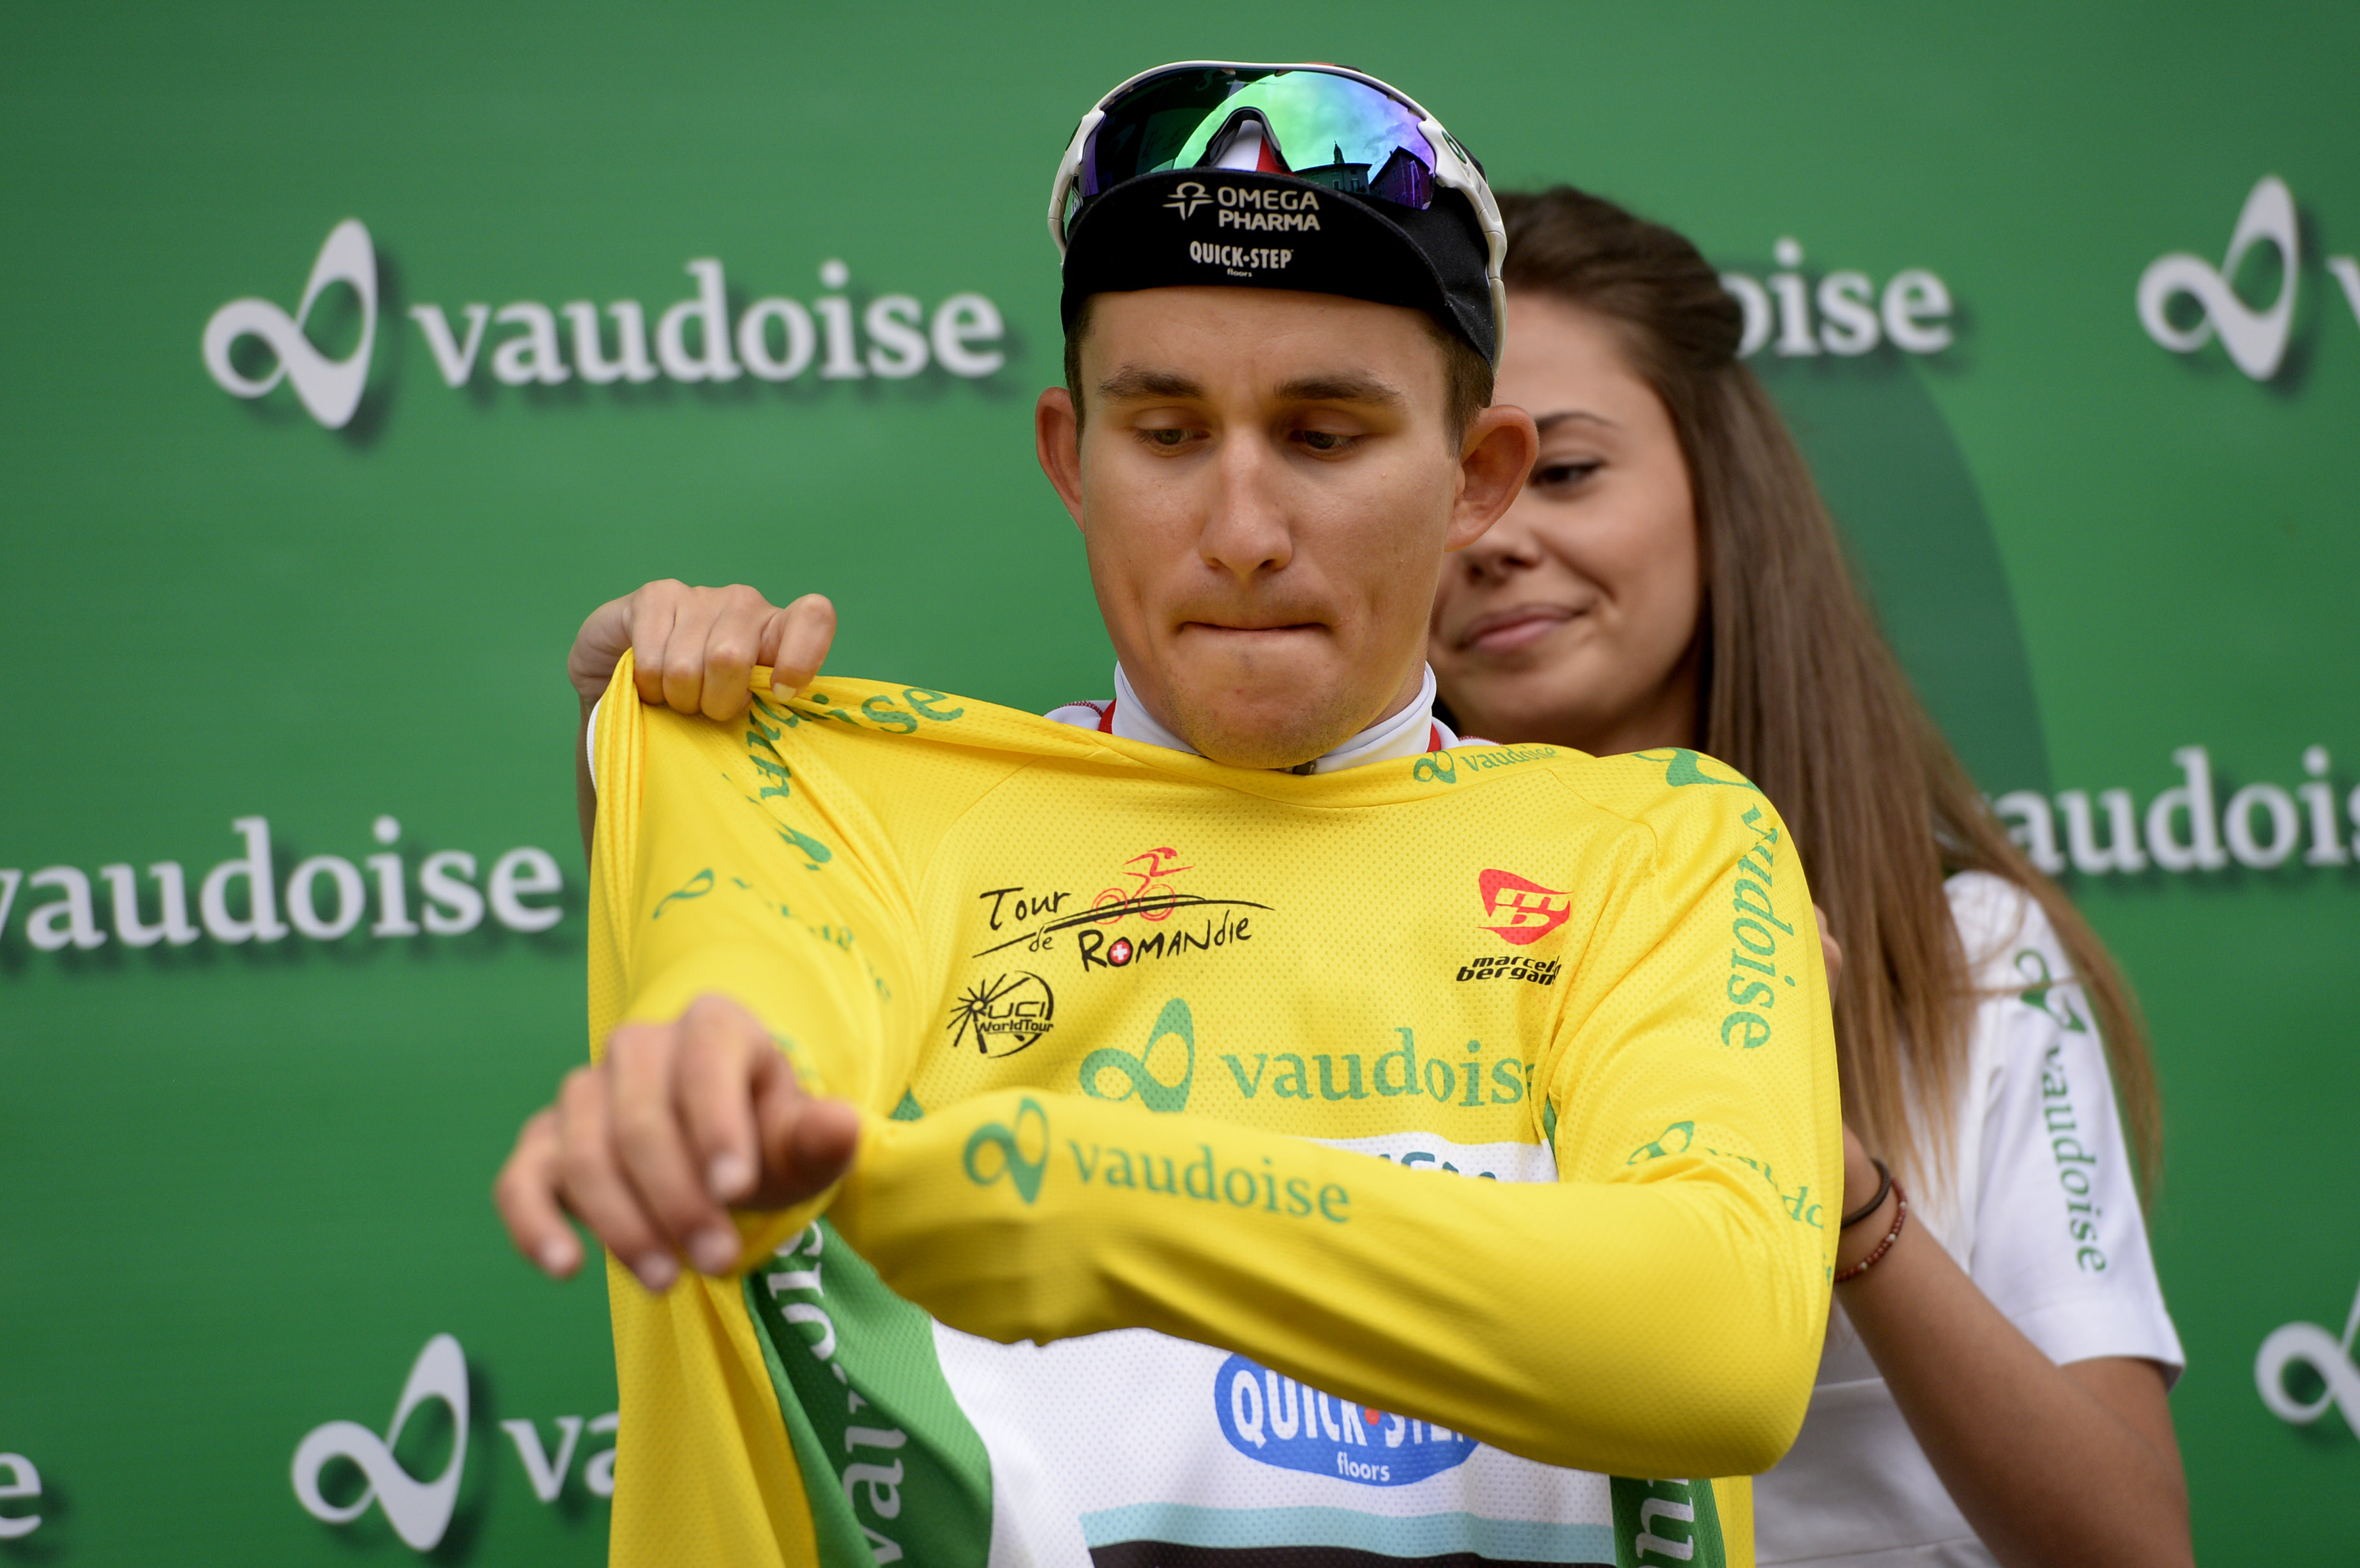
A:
{"x": 1277, "y": 1420}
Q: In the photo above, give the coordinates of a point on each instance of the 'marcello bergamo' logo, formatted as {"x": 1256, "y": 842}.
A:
{"x": 772, "y": 339}
{"x": 2255, "y": 340}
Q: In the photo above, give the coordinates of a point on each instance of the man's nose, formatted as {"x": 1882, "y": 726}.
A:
{"x": 1246, "y": 529}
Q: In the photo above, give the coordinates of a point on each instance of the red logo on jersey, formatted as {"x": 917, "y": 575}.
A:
{"x": 1525, "y": 911}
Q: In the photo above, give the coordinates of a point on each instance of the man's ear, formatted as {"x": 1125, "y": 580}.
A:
{"x": 1501, "y": 448}
{"x": 1058, "y": 442}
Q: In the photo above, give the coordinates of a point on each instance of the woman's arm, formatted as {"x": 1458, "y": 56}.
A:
{"x": 2074, "y": 1465}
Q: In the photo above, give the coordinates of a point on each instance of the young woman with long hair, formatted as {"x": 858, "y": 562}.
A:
{"x": 1996, "y": 1372}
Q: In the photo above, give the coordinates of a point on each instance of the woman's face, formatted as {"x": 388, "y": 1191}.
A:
{"x": 1574, "y": 620}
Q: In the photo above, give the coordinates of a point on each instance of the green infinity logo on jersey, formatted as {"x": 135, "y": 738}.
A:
{"x": 1139, "y": 1078}
{"x": 696, "y": 886}
{"x": 1023, "y": 1172}
{"x": 1683, "y": 769}
{"x": 2033, "y": 965}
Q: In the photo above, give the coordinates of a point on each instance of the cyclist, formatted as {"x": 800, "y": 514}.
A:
{"x": 1173, "y": 1310}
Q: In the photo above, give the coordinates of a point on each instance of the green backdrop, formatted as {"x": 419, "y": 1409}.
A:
{"x": 243, "y": 1182}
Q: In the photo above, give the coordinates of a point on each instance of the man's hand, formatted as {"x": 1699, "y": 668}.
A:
{"x": 652, "y": 1146}
{"x": 695, "y": 647}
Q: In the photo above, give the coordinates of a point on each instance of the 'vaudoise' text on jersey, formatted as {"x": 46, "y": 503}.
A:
{"x": 1419, "y": 1161}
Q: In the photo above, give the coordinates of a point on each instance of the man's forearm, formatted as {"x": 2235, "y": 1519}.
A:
{"x": 1659, "y": 1328}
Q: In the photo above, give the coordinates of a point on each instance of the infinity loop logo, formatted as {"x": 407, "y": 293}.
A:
{"x": 420, "y": 1510}
{"x": 1174, "y": 1020}
{"x": 2255, "y": 339}
{"x": 330, "y": 389}
{"x": 2310, "y": 1346}
{"x": 1023, "y": 1170}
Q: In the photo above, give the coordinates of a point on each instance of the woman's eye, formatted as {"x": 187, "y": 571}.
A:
{"x": 1558, "y": 475}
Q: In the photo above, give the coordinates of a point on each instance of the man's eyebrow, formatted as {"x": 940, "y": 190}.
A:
{"x": 1546, "y": 420}
{"x": 1134, "y": 381}
{"x": 1342, "y": 387}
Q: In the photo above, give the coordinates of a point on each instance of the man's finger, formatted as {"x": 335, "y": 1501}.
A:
{"x": 598, "y": 647}
{"x": 721, "y": 1050}
{"x": 807, "y": 1143}
{"x": 593, "y": 1185}
{"x": 526, "y": 1194}
{"x": 805, "y": 629}
{"x": 732, "y": 644}
{"x": 652, "y": 1146}
{"x": 683, "y": 655}
{"x": 653, "y": 611}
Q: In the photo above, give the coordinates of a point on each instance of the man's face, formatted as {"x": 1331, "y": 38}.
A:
{"x": 1266, "y": 486}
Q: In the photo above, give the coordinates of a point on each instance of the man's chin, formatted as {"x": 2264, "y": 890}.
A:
{"x": 1268, "y": 722}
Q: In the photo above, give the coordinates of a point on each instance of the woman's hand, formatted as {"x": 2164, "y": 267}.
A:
{"x": 693, "y": 650}
{"x": 695, "y": 647}
{"x": 2051, "y": 1465}
{"x": 2074, "y": 1464}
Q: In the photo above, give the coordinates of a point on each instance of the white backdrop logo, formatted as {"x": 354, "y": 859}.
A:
{"x": 420, "y": 1510}
{"x": 2325, "y": 1357}
{"x": 2255, "y": 339}
{"x": 706, "y": 337}
{"x": 330, "y": 389}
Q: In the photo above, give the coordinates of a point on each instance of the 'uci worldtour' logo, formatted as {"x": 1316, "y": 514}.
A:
{"x": 2255, "y": 340}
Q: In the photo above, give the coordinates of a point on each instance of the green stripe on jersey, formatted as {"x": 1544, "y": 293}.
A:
{"x": 1663, "y": 1522}
{"x": 866, "y": 1405}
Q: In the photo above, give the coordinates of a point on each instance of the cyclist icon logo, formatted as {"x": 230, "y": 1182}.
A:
{"x": 1152, "y": 899}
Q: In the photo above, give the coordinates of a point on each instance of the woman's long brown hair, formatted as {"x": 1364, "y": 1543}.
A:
{"x": 1802, "y": 695}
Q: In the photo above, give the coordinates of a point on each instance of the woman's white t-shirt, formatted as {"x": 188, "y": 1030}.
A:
{"x": 2040, "y": 1204}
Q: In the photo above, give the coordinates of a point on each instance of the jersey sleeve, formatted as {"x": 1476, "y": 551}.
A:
{"x": 735, "y": 861}
{"x": 2060, "y": 1243}
{"x": 1659, "y": 1311}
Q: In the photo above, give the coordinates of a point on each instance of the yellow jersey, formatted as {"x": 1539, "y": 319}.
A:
{"x": 1435, "y": 1159}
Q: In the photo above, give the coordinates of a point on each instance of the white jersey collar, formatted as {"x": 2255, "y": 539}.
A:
{"x": 1410, "y": 733}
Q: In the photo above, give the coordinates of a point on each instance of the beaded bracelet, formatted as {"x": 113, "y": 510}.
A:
{"x": 1900, "y": 1218}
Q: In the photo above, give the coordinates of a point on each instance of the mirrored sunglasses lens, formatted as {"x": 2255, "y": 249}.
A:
{"x": 1329, "y": 130}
